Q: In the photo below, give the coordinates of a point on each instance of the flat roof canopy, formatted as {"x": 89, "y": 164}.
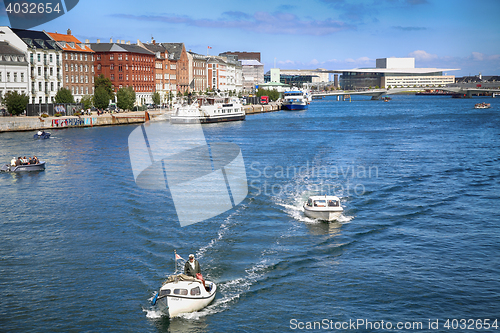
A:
{"x": 392, "y": 70}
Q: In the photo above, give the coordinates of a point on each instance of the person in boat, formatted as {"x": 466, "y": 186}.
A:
{"x": 13, "y": 161}
{"x": 18, "y": 161}
{"x": 35, "y": 160}
{"x": 192, "y": 266}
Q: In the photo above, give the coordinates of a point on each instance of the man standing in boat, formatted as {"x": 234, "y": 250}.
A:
{"x": 192, "y": 266}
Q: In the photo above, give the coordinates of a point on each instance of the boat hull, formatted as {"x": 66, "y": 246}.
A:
{"x": 323, "y": 215}
{"x": 175, "y": 305}
{"x": 43, "y": 136}
{"x": 24, "y": 168}
{"x": 204, "y": 120}
{"x": 294, "y": 107}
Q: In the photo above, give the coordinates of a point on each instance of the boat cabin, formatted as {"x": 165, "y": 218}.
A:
{"x": 323, "y": 202}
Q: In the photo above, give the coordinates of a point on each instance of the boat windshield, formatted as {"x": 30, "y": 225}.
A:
{"x": 319, "y": 203}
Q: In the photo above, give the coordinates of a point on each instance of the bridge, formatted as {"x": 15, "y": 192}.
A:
{"x": 377, "y": 93}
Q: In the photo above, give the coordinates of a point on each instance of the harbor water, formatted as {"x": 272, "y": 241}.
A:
{"x": 84, "y": 249}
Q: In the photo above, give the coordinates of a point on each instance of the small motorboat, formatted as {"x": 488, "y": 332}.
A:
{"x": 182, "y": 294}
{"x": 324, "y": 207}
{"x": 41, "y": 135}
{"x": 40, "y": 166}
{"x": 482, "y": 106}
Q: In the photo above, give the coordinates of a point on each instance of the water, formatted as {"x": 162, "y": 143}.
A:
{"x": 84, "y": 249}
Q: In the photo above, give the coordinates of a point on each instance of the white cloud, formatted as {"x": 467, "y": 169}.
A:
{"x": 477, "y": 56}
{"x": 422, "y": 55}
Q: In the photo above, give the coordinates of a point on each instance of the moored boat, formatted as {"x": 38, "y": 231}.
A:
{"x": 324, "y": 207}
{"x": 295, "y": 100}
{"x": 23, "y": 168}
{"x": 209, "y": 110}
{"x": 183, "y": 294}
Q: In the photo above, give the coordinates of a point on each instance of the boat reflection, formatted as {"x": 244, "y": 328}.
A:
{"x": 324, "y": 228}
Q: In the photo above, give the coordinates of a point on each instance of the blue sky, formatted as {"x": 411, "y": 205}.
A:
{"x": 331, "y": 34}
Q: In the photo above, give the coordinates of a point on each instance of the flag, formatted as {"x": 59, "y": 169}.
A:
{"x": 177, "y": 257}
{"x": 209, "y": 47}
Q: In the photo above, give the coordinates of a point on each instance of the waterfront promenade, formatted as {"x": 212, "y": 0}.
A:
{"x": 22, "y": 123}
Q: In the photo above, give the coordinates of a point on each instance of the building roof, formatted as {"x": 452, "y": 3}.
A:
{"x": 69, "y": 42}
{"x": 174, "y": 50}
{"x": 7, "y": 49}
{"x": 114, "y": 47}
{"x": 250, "y": 63}
{"x": 395, "y": 70}
{"x": 37, "y": 39}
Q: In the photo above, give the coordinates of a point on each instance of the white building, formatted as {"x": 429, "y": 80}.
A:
{"x": 253, "y": 74}
{"x": 45, "y": 65}
{"x": 14, "y": 68}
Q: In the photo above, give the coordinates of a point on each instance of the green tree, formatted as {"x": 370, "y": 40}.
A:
{"x": 273, "y": 94}
{"x": 125, "y": 98}
{"x": 64, "y": 95}
{"x": 86, "y": 101}
{"x": 102, "y": 81}
{"x": 16, "y": 103}
{"x": 101, "y": 98}
{"x": 156, "y": 98}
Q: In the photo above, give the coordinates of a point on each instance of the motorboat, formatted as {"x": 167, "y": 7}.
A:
{"x": 40, "y": 166}
{"x": 41, "y": 135}
{"x": 482, "y": 106}
{"x": 209, "y": 109}
{"x": 183, "y": 294}
{"x": 295, "y": 100}
{"x": 323, "y": 207}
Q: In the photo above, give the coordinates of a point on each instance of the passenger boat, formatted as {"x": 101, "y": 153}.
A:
{"x": 24, "y": 168}
{"x": 482, "y": 106}
{"x": 41, "y": 135}
{"x": 325, "y": 207}
{"x": 209, "y": 110}
{"x": 183, "y": 294}
{"x": 295, "y": 100}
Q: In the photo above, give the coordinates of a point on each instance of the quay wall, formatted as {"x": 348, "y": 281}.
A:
{"x": 21, "y": 123}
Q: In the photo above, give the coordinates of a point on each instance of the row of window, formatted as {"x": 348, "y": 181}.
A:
{"x": 39, "y": 57}
{"x": 13, "y": 58}
{"x": 82, "y": 90}
{"x": 75, "y": 56}
{"x": 40, "y": 86}
{"x": 120, "y": 57}
{"x": 74, "y": 68}
{"x": 74, "y": 79}
{"x": 181, "y": 291}
{"x": 166, "y": 76}
{"x": 47, "y": 71}
{"x": 120, "y": 68}
{"x": 134, "y": 77}
{"x": 15, "y": 77}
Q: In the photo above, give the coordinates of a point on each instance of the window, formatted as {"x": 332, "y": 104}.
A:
{"x": 51, "y": 86}
{"x": 98, "y": 57}
{"x": 120, "y": 68}
{"x": 112, "y": 67}
{"x": 65, "y": 56}
{"x": 39, "y": 57}
{"x": 195, "y": 291}
{"x": 120, "y": 77}
{"x": 98, "y": 67}
{"x": 180, "y": 292}
{"x": 111, "y": 57}
{"x": 67, "y": 79}
{"x": 112, "y": 77}
{"x": 66, "y": 67}
{"x": 81, "y": 67}
{"x": 50, "y": 58}
{"x": 22, "y": 77}
{"x": 86, "y": 59}
{"x": 119, "y": 57}
{"x": 72, "y": 79}
{"x": 81, "y": 57}
{"x": 39, "y": 86}
{"x": 86, "y": 68}
{"x": 76, "y": 78}
{"x": 72, "y": 68}
{"x": 72, "y": 57}
{"x": 86, "y": 79}
{"x": 39, "y": 70}
{"x": 164, "y": 292}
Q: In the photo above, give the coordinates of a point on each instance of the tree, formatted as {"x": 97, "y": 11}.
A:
{"x": 156, "y": 98}
{"x": 102, "y": 81}
{"x": 125, "y": 98}
{"x": 64, "y": 95}
{"x": 86, "y": 101}
{"x": 16, "y": 103}
{"x": 101, "y": 98}
{"x": 273, "y": 94}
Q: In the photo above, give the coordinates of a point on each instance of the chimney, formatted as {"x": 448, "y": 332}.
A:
{"x": 128, "y": 43}
{"x": 123, "y": 42}
{"x": 86, "y": 41}
{"x": 98, "y": 41}
{"x": 111, "y": 40}
{"x": 154, "y": 42}
{"x": 69, "y": 32}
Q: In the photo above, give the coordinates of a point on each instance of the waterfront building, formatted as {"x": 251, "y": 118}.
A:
{"x": 299, "y": 77}
{"x": 179, "y": 63}
{"x": 126, "y": 65}
{"x": 14, "y": 67}
{"x": 234, "y": 73}
{"x": 77, "y": 64}
{"x": 251, "y": 67}
{"x": 395, "y": 73}
{"x": 216, "y": 73}
{"x": 197, "y": 72}
{"x": 44, "y": 57}
{"x": 165, "y": 78}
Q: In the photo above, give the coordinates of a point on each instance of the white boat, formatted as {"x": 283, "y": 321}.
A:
{"x": 209, "y": 110}
{"x": 183, "y": 294}
{"x": 295, "y": 100}
{"x": 324, "y": 207}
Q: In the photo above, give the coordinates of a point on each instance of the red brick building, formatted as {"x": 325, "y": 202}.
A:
{"x": 126, "y": 65}
{"x": 77, "y": 65}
